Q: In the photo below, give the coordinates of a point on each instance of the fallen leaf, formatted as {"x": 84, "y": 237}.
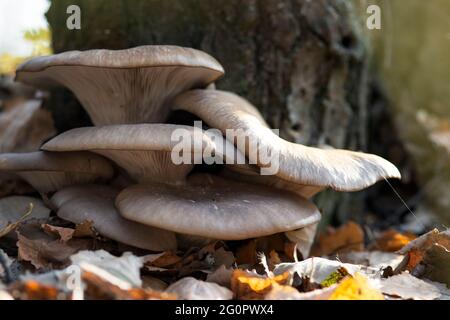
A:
{"x": 392, "y": 240}
{"x": 101, "y": 284}
{"x": 85, "y": 229}
{"x": 443, "y": 289}
{"x": 163, "y": 260}
{"x": 64, "y": 234}
{"x": 252, "y": 286}
{"x": 416, "y": 249}
{"x": 289, "y": 293}
{"x": 126, "y": 268}
{"x": 349, "y": 237}
{"x": 356, "y": 287}
{"x": 437, "y": 264}
{"x": 374, "y": 259}
{"x": 315, "y": 269}
{"x": 407, "y": 286}
{"x": 335, "y": 277}
{"x": 189, "y": 288}
{"x": 44, "y": 250}
{"x": 16, "y": 209}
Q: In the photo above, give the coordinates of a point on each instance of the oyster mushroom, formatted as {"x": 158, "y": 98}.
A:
{"x": 96, "y": 203}
{"x": 341, "y": 170}
{"x": 142, "y": 150}
{"x": 49, "y": 171}
{"x": 213, "y": 207}
{"x": 124, "y": 86}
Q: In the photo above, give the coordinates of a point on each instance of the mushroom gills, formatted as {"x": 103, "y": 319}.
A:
{"x": 341, "y": 170}
{"x": 144, "y": 151}
{"x": 48, "y": 171}
{"x": 96, "y": 204}
{"x": 124, "y": 86}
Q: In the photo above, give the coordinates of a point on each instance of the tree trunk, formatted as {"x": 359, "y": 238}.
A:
{"x": 302, "y": 63}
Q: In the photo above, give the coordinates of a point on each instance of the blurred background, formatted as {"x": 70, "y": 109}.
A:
{"x": 313, "y": 68}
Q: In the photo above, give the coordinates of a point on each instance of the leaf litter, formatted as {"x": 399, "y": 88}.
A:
{"x": 56, "y": 259}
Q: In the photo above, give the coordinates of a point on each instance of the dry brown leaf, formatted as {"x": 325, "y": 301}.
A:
{"x": 64, "y": 234}
{"x": 165, "y": 260}
{"x": 356, "y": 287}
{"x": 251, "y": 286}
{"x": 44, "y": 250}
{"x": 392, "y": 240}
{"x": 348, "y": 237}
{"x": 85, "y": 229}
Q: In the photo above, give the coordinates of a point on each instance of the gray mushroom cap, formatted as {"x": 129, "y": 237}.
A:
{"x": 96, "y": 203}
{"x": 124, "y": 86}
{"x": 210, "y": 206}
{"x": 341, "y": 170}
{"x": 49, "y": 171}
{"x": 143, "y": 150}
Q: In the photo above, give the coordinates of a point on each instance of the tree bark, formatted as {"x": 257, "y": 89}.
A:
{"x": 302, "y": 63}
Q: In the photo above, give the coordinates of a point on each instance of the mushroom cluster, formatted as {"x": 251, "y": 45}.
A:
{"x": 120, "y": 174}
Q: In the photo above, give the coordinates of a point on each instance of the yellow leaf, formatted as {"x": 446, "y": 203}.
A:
{"x": 356, "y": 288}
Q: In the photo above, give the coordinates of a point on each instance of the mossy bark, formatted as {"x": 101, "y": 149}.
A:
{"x": 302, "y": 63}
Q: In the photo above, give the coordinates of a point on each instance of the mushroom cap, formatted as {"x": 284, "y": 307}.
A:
{"x": 124, "y": 86}
{"x": 49, "y": 171}
{"x": 214, "y": 207}
{"x": 96, "y": 203}
{"x": 341, "y": 170}
{"x": 143, "y": 150}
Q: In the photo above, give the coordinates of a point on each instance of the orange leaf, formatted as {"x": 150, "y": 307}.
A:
{"x": 348, "y": 237}
{"x": 249, "y": 286}
{"x": 392, "y": 240}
